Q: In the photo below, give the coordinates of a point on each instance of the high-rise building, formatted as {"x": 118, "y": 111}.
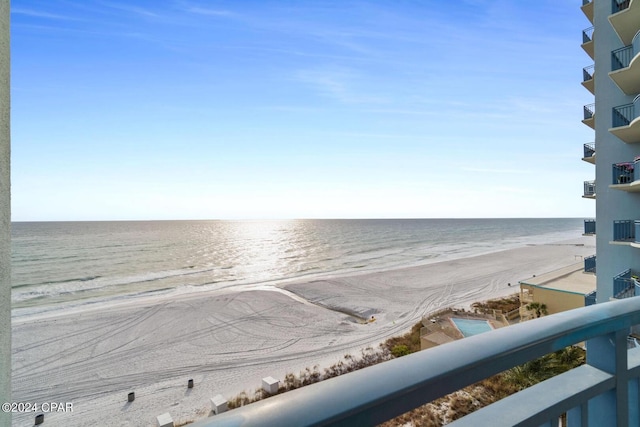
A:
{"x": 613, "y": 42}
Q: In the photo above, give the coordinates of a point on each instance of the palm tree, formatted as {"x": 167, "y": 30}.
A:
{"x": 539, "y": 308}
{"x": 547, "y": 366}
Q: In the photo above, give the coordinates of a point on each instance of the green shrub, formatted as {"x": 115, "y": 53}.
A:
{"x": 400, "y": 350}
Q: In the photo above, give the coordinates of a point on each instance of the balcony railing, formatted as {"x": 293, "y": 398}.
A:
{"x": 618, "y": 5}
{"x": 624, "y": 285}
{"x": 625, "y": 173}
{"x": 586, "y": 2}
{"x": 598, "y": 393}
{"x": 589, "y": 189}
{"x": 589, "y": 226}
{"x": 625, "y": 66}
{"x": 587, "y": 35}
{"x": 587, "y": 73}
{"x": 625, "y": 123}
{"x": 589, "y": 111}
{"x": 590, "y": 264}
{"x": 624, "y": 230}
{"x": 637, "y": 227}
{"x": 621, "y": 58}
{"x": 623, "y": 115}
{"x": 589, "y": 149}
{"x": 590, "y": 298}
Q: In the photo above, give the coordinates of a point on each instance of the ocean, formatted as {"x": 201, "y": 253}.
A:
{"x": 56, "y": 265}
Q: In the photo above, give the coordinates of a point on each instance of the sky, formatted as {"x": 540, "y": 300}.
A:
{"x": 246, "y": 109}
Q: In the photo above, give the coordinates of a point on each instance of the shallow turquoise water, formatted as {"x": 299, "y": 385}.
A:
{"x": 471, "y": 327}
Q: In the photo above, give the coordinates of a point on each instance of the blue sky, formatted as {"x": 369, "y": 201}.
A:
{"x": 192, "y": 109}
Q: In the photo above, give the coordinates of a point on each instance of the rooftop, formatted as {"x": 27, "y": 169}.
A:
{"x": 571, "y": 279}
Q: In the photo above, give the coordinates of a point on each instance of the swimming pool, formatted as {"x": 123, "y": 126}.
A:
{"x": 470, "y": 327}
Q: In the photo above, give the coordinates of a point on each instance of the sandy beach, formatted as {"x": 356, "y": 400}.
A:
{"x": 227, "y": 340}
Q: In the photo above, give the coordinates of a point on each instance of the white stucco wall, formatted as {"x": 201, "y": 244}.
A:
{"x": 5, "y": 216}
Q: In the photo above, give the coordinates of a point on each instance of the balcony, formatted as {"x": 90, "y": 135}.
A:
{"x": 590, "y": 299}
{"x": 590, "y": 264}
{"x": 603, "y": 392}
{"x": 587, "y": 41}
{"x": 587, "y": 9}
{"x": 625, "y": 19}
{"x": 625, "y": 121}
{"x": 624, "y": 231}
{"x": 589, "y": 190}
{"x": 626, "y": 176}
{"x": 590, "y": 115}
{"x": 625, "y": 285}
{"x": 589, "y": 227}
{"x": 589, "y": 153}
{"x": 625, "y": 67}
{"x": 587, "y": 78}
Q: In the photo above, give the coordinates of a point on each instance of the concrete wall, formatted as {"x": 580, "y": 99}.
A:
{"x": 5, "y": 216}
{"x": 610, "y": 204}
{"x": 556, "y": 301}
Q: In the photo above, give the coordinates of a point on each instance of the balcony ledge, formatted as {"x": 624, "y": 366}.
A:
{"x": 628, "y": 78}
{"x": 632, "y": 187}
{"x": 591, "y": 159}
{"x": 587, "y": 9}
{"x": 591, "y": 122}
{"x": 588, "y": 48}
{"x": 589, "y": 85}
{"x": 629, "y": 133}
{"x": 621, "y": 242}
{"x": 635, "y": 245}
{"x": 627, "y": 22}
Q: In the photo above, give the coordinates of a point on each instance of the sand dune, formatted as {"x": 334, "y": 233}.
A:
{"x": 227, "y": 340}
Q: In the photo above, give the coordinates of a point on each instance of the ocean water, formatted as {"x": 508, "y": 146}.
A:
{"x": 60, "y": 264}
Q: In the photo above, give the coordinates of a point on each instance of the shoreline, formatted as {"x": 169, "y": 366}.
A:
{"x": 34, "y": 312}
{"x": 227, "y": 340}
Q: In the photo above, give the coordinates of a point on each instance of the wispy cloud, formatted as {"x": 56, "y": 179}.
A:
{"x": 339, "y": 84}
{"x": 209, "y": 12}
{"x": 131, "y": 9}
